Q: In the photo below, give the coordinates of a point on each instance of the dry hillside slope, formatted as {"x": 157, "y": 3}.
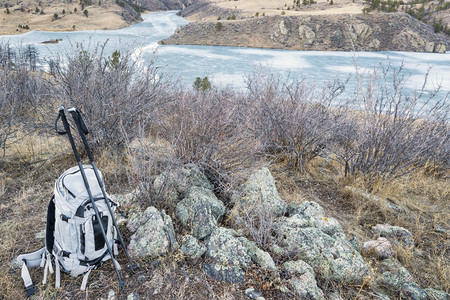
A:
{"x": 318, "y": 26}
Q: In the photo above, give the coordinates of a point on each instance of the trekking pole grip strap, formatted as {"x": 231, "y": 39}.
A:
{"x": 60, "y": 109}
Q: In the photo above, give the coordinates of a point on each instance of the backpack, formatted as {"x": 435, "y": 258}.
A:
{"x": 74, "y": 241}
{"x": 81, "y": 232}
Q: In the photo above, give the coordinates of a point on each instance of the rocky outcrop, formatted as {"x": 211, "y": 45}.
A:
{"x": 155, "y": 5}
{"x": 307, "y": 247}
{"x": 227, "y": 257}
{"x": 320, "y": 241}
{"x": 365, "y": 32}
{"x": 302, "y": 280}
{"x": 199, "y": 211}
{"x": 260, "y": 190}
{"x": 162, "y": 237}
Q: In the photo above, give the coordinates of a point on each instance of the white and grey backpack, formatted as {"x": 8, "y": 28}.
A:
{"x": 74, "y": 241}
{"x": 81, "y": 229}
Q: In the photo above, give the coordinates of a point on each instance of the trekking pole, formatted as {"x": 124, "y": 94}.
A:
{"x": 62, "y": 115}
{"x": 82, "y": 130}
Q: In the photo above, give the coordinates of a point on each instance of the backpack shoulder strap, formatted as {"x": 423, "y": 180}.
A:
{"x": 50, "y": 229}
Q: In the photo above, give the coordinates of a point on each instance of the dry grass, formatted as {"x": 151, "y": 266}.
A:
{"x": 424, "y": 197}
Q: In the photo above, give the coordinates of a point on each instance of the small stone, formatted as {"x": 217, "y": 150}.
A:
{"x": 112, "y": 295}
{"x": 397, "y": 234}
{"x": 254, "y": 294}
{"x": 40, "y": 235}
{"x": 380, "y": 248}
{"x": 133, "y": 296}
{"x": 392, "y": 275}
{"x": 145, "y": 244}
{"x": 142, "y": 278}
{"x": 303, "y": 280}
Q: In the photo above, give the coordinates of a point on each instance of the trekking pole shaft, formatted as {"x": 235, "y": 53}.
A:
{"x": 78, "y": 121}
{"x": 86, "y": 183}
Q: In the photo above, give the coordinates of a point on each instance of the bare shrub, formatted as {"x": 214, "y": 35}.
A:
{"x": 114, "y": 93}
{"x": 292, "y": 118}
{"x": 258, "y": 222}
{"x": 20, "y": 91}
{"x": 208, "y": 129}
{"x": 389, "y": 134}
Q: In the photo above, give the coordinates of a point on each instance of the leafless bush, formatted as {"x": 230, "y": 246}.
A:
{"x": 20, "y": 90}
{"x": 292, "y": 118}
{"x": 208, "y": 129}
{"x": 258, "y": 221}
{"x": 112, "y": 92}
{"x": 389, "y": 134}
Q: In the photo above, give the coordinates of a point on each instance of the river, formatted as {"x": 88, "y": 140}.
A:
{"x": 228, "y": 65}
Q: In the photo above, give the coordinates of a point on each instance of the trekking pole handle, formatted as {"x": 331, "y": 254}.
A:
{"x": 62, "y": 116}
{"x": 76, "y": 114}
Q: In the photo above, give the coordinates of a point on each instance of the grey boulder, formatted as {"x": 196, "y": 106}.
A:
{"x": 199, "y": 211}
{"x": 151, "y": 234}
{"x": 226, "y": 256}
{"x": 321, "y": 242}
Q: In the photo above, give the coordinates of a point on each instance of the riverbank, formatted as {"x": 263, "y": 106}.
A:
{"x": 323, "y": 27}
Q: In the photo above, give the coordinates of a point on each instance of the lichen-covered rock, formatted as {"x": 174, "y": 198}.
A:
{"x": 191, "y": 247}
{"x": 230, "y": 274}
{"x": 260, "y": 190}
{"x": 391, "y": 275}
{"x": 173, "y": 185}
{"x": 297, "y": 267}
{"x": 412, "y": 291}
{"x": 260, "y": 257}
{"x": 381, "y": 248}
{"x": 311, "y": 214}
{"x": 302, "y": 280}
{"x": 395, "y": 234}
{"x": 321, "y": 243}
{"x": 437, "y": 295}
{"x": 127, "y": 200}
{"x": 150, "y": 238}
{"x": 225, "y": 248}
{"x": 137, "y": 218}
{"x": 173, "y": 246}
{"x": 227, "y": 257}
{"x": 199, "y": 211}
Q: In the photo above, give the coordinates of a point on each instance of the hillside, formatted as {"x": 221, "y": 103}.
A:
{"x": 316, "y": 26}
{"x": 58, "y": 15}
